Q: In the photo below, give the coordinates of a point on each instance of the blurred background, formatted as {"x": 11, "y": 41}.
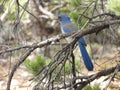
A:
{"x": 24, "y": 22}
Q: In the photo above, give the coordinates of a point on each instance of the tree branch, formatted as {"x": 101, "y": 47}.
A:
{"x": 87, "y": 79}
{"x": 62, "y": 54}
{"x": 97, "y": 75}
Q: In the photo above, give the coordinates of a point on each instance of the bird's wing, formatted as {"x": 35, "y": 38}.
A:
{"x": 69, "y": 27}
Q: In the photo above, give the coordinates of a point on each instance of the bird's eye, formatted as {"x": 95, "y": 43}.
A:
{"x": 59, "y": 18}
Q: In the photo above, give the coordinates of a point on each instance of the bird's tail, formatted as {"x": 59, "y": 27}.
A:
{"x": 87, "y": 61}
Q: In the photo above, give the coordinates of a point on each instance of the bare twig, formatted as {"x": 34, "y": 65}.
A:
{"x": 64, "y": 53}
{"x": 26, "y": 54}
{"x": 87, "y": 79}
{"x": 73, "y": 71}
{"x": 58, "y": 37}
{"x": 97, "y": 75}
{"x": 113, "y": 75}
{"x": 61, "y": 55}
{"x": 38, "y": 45}
{"x": 17, "y": 64}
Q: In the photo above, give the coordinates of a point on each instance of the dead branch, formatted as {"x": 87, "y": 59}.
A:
{"x": 17, "y": 64}
{"x": 87, "y": 79}
{"x": 76, "y": 35}
{"x": 60, "y": 56}
{"x": 38, "y": 45}
{"x": 98, "y": 75}
{"x": 65, "y": 53}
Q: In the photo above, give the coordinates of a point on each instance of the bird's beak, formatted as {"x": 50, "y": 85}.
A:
{"x": 59, "y": 18}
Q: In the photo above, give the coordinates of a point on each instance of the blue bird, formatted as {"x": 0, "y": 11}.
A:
{"x": 67, "y": 27}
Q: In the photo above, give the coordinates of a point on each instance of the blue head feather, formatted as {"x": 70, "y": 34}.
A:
{"x": 64, "y": 19}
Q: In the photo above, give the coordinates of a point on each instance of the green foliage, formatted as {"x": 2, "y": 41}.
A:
{"x": 68, "y": 67}
{"x": 33, "y": 66}
{"x": 13, "y": 9}
{"x": 66, "y": 70}
{"x": 78, "y": 65}
{"x": 114, "y": 6}
{"x": 75, "y": 2}
{"x": 75, "y": 17}
{"x": 88, "y": 87}
{"x": 118, "y": 31}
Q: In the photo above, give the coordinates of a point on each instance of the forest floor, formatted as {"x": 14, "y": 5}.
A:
{"x": 21, "y": 78}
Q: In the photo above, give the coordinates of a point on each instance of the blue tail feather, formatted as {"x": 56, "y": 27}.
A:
{"x": 87, "y": 61}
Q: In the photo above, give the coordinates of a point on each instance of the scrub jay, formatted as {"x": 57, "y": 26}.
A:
{"x": 67, "y": 27}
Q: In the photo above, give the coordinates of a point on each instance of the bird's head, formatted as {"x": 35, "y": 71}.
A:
{"x": 63, "y": 19}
